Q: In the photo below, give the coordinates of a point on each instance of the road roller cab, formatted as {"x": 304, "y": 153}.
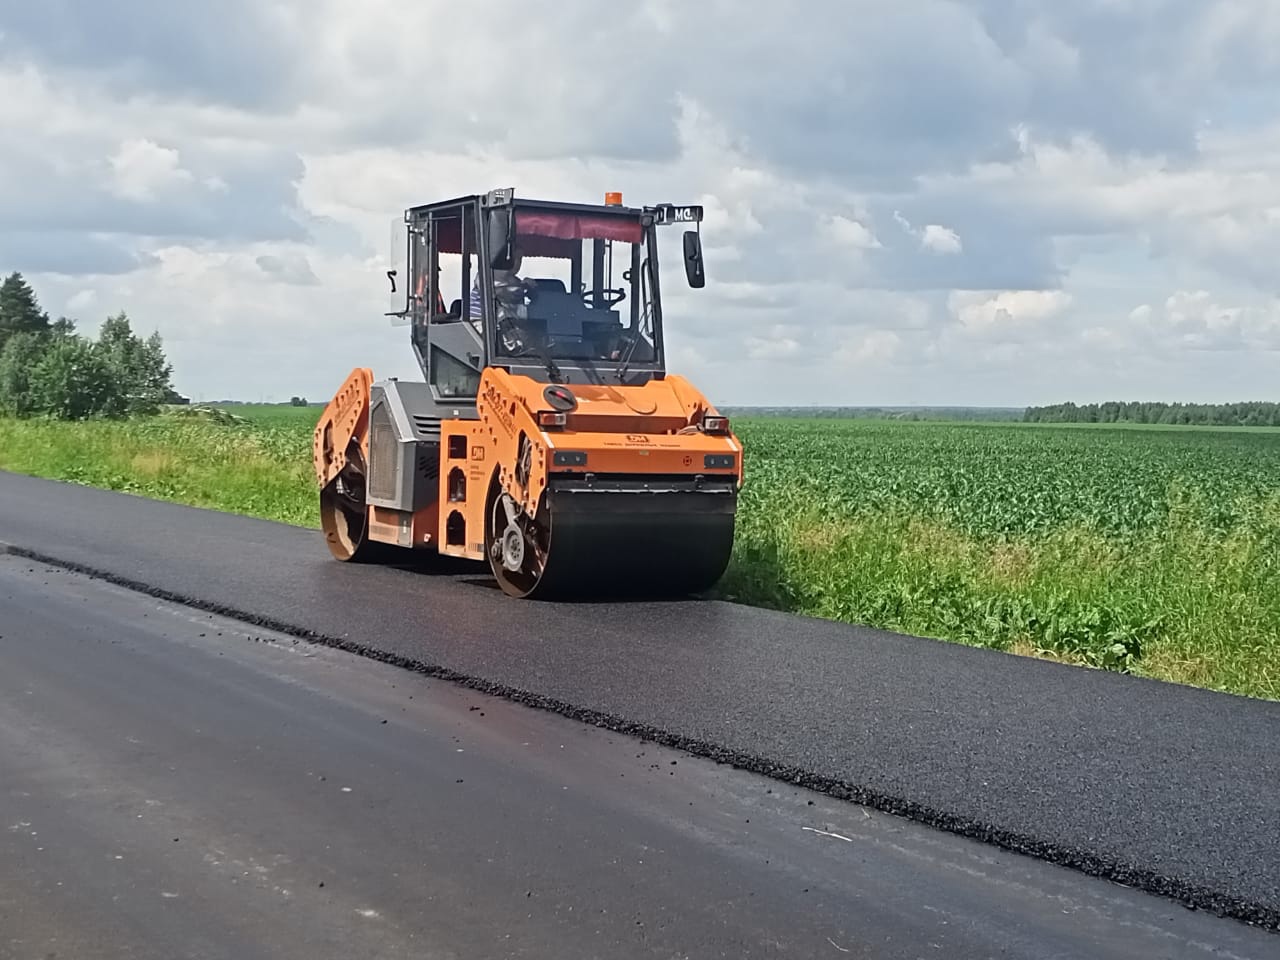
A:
{"x": 547, "y": 437}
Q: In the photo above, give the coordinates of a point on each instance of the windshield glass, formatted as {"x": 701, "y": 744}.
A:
{"x": 579, "y": 289}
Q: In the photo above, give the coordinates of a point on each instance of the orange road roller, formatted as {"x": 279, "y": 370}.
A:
{"x": 547, "y": 437}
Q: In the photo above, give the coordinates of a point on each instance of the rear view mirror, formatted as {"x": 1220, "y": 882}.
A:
{"x": 693, "y": 268}
{"x": 500, "y": 238}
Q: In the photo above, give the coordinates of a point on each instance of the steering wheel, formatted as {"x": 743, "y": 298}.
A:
{"x": 588, "y": 296}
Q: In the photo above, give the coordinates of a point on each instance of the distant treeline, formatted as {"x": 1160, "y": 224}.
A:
{"x": 1252, "y": 414}
{"x": 291, "y": 402}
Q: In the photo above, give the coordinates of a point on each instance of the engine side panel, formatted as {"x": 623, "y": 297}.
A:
{"x": 404, "y": 451}
{"x": 466, "y": 473}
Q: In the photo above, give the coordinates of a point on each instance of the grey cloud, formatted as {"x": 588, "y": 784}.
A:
{"x": 233, "y": 51}
{"x": 1001, "y": 248}
{"x": 1245, "y": 247}
{"x": 256, "y": 199}
{"x": 1143, "y": 75}
{"x": 896, "y": 91}
{"x": 863, "y": 90}
{"x": 71, "y": 253}
{"x": 872, "y": 95}
{"x": 1128, "y": 73}
{"x": 561, "y": 80}
{"x": 853, "y": 90}
{"x": 288, "y": 269}
{"x": 564, "y": 82}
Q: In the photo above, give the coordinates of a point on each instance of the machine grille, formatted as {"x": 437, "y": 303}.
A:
{"x": 382, "y": 454}
{"x": 428, "y": 427}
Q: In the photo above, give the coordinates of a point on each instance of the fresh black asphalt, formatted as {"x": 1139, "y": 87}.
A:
{"x": 177, "y": 784}
{"x": 1167, "y": 788}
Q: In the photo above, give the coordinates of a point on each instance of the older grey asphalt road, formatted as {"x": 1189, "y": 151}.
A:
{"x": 175, "y": 784}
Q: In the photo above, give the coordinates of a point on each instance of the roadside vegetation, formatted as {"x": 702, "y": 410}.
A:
{"x": 192, "y": 455}
{"x": 1153, "y": 550}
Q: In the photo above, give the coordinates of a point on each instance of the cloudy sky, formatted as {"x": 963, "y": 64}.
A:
{"x": 919, "y": 201}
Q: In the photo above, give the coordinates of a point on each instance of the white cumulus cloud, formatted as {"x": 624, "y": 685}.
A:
{"x": 850, "y": 233}
{"x": 940, "y": 239}
{"x": 1006, "y": 312}
{"x": 143, "y": 170}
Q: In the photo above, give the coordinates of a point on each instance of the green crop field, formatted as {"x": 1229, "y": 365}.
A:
{"x": 1150, "y": 550}
{"x": 1155, "y": 551}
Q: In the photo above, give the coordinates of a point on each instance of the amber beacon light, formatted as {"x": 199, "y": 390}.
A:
{"x": 613, "y": 199}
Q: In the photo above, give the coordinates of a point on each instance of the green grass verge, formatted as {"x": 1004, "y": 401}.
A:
{"x": 1184, "y": 605}
{"x": 262, "y": 470}
{"x": 1154, "y": 552}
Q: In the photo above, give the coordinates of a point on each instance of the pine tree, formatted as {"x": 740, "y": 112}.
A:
{"x": 19, "y": 310}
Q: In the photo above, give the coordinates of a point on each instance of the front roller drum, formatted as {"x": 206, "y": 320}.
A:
{"x": 606, "y": 544}
{"x": 344, "y": 514}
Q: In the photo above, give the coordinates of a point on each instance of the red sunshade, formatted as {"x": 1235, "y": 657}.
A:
{"x": 577, "y": 226}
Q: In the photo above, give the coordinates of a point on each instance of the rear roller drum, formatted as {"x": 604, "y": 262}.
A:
{"x": 344, "y": 513}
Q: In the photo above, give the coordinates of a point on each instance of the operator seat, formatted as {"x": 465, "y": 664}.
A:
{"x": 454, "y": 313}
{"x": 549, "y": 284}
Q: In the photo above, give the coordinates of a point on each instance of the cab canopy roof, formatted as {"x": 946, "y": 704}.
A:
{"x": 543, "y": 228}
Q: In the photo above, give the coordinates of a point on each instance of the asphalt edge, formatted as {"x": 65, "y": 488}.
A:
{"x": 1091, "y": 863}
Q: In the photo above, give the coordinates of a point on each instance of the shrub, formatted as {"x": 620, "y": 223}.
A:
{"x": 48, "y": 370}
